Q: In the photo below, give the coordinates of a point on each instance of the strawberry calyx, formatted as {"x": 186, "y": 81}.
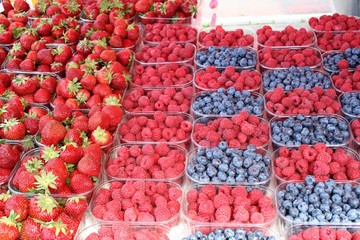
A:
{"x": 112, "y": 100}
{"x": 17, "y": 32}
{"x": 42, "y": 6}
{"x": 100, "y": 135}
{"x": 50, "y": 152}
{"x": 72, "y": 65}
{"x": 31, "y": 31}
{"x": 9, "y": 123}
{"x": 2, "y": 28}
{"x": 44, "y": 181}
{"x": 20, "y": 80}
{"x": 100, "y": 42}
{"x": 85, "y": 44}
{"x": 90, "y": 66}
{"x": 46, "y": 203}
{"x": 74, "y": 86}
{"x": 76, "y": 199}
{"x": 57, "y": 51}
{"x": 8, "y": 94}
{"x": 117, "y": 4}
{"x": 11, "y": 219}
{"x": 28, "y": 142}
{"x": 5, "y": 196}
{"x": 33, "y": 165}
{"x": 59, "y": 227}
{"x": 105, "y": 6}
{"x": 73, "y": 6}
{"x": 85, "y": 139}
{"x": 15, "y": 48}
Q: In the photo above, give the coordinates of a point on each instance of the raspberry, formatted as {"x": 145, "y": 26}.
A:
{"x": 302, "y": 166}
{"x": 145, "y": 217}
{"x": 319, "y": 147}
{"x": 241, "y": 214}
{"x": 268, "y": 213}
{"x": 247, "y": 128}
{"x": 207, "y": 208}
{"x": 162, "y": 214}
{"x": 327, "y": 233}
{"x": 311, "y": 234}
{"x": 324, "y": 157}
{"x": 161, "y": 188}
{"x": 284, "y": 152}
{"x": 343, "y": 64}
{"x": 343, "y": 234}
{"x": 282, "y": 162}
{"x": 166, "y": 162}
{"x": 223, "y": 214}
{"x": 257, "y": 218}
{"x": 192, "y": 196}
{"x": 321, "y": 168}
{"x": 309, "y": 154}
{"x": 131, "y": 214}
{"x": 334, "y": 167}
{"x": 288, "y": 171}
{"x": 239, "y": 191}
{"x": 209, "y": 190}
{"x": 265, "y": 202}
{"x": 255, "y": 195}
{"x": 127, "y": 191}
{"x": 220, "y": 200}
{"x": 147, "y": 162}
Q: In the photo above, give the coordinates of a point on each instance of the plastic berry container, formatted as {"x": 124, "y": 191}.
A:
{"x": 180, "y": 101}
{"x": 165, "y": 80}
{"x": 276, "y": 144}
{"x": 197, "y": 114}
{"x": 113, "y": 154}
{"x": 348, "y": 116}
{"x": 35, "y": 152}
{"x": 199, "y": 87}
{"x": 279, "y": 180}
{"x": 288, "y": 223}
{"x": 343, "y": 78}
{"x": 127, "y": 117}
{"x": 328, "y": 41}
{"x": 132, "y": 230}
{"x": 206, "y": 120}
{"x": 279, "y": 30}
{"x": 270, "y": 114}
{"x": 329, "y": 54}
{"x": 298, "y": 75}
{"x": 276, "y": 51}
{"x": 152, "y": 20}
{"x": 247, "y": 50}
{"x": 299, "y": 228}
{"x": 248, "y": 35}
{"x": 144, "y": 47}
{"x": 148, "y": 185}
{"x": 232, "y": 224}
{"x": 333, "y": 18}
{"x": 191, "y": 158}
{"x": 158, "y": 27}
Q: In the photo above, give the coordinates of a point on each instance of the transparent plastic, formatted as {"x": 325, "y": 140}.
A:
{"x": 355, "y": 144}
{"x": 113, "y": 154}
{"x": 326, "y": 54}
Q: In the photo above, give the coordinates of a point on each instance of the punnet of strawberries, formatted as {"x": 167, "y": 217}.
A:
{"x": 329, "y": 41}
{"x": 67, "y": 171}
{"x": 220, "y": 36}
{"x": 10, "y": 154}
{"x": 31, "y": 54}
{"x": 320, "y": 161}
{"x": 116, "y": 32}
{"x": 113, "y": 8}
{"x": 238, "y": 131}
{"x": 212, "y": 79}
{"x": 137, "y": 201}
{"x": 162, "y": 75}
{"x": 168, "y": 99}
{"x": 122, "y": 230}
{"x": 40, "y": 217}
{"x": 146, "y": 161}
{"x": 33, "y": 88}
{"x": 20, "y": 121}
{"x": 229, "y": 204}
{"x": 300, "y": 101}
{"x": 58, "y": 8}
{"x": 347, "y": 81}
{"x": 166, "y": 11}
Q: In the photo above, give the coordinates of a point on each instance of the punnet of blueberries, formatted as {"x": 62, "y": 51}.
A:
{"x": 228, "y": 102}
{"x": 319, "y": 202}
{"x": 294, "y": 131}
{"x": 243, "y": 57}
{"x": 295, "y": 77}
{"x": 230, "y": 234}
{"x": 334, "y": 61}
{"x": 350, "y": 103}
{"x": 229, "y": 165}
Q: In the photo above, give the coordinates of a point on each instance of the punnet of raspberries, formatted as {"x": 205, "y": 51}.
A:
{"x": 227, "y": 102}
{"x": 165, "y": 52}
{"x": 162, "y": 75}
{"x": 10, "y": 155}
{"x": 156, "y": 127}
{"x": 350, "y": 104}
{"x": 222, "y": 164}
{"x": 122, "y": 230}
{"x": 334, "y": 61}
{"x": 346, "y": 81}
{"x": 220, "y": 36}
{"x": 335, "y": 22}
{"x": 212, "y": 79}
{"x": 287, "y": 57}
{"x": 289, "y": 36}
{"x": 159, "y": 32}
{"x": 161, "y": 161}
{"x": 355, "y": 128}
{"x": 238, "y": 131}
{"x": 295, "y": 77}
{"x": 300, "y": 101}
{"x": 318, "y": 202}
{"x": 167, "y": 99}
{"x": 137, "y": 201}
{"x": 226, "y": 204}
{"x": 325, "y": 232}
{"x": 328, "y": 41}
{"x": 320, "y": 161}
{"x": 293, "y": 131}
{"x": 229, "y": 233}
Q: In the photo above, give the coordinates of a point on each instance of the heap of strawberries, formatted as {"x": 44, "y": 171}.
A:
{"x": 137, "y": 201}
{"x": 33, "y": 88}
{"x": 346, "y": 81}
{"x": 161, "y": 161}
{"x": 225, "y": 204}
{"x": 168, "y": 99}
{"x": 287, "y": 57}
{"x": 211, "y": 79}
{"x": 300, "y": 101}
{"x": 40, "y": 217}
{"x": 239, "y": 131}
{"x": 320, "y": 161}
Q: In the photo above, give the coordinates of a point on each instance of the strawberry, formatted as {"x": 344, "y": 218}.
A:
{"x": 99, "y": 119}
{"x": 52, "y": 133}
{"x": 45, "y": 56}
{"x": 80, "y": 183}
{"x": 19, "y": 205}
{"x": 71, "y": 154}
{"x": 101, "y": 136}
{"x": 30, "y": 229}
{"x": 23, "y": 85}
{"x": 9, "y": 156}
{"x": 13, "y": 129}
{"x": 44, "y": 208}
{"x": 56, "y": 230}
{"x": 89, "y": 165}
{"x": 8, "y": 228}
{"x": 76, "y": 207}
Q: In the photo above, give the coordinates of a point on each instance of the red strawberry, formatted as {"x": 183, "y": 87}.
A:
{"x": 52, "y": 133}
{"x": 21, "y": 5}
{"x": 80, "y": 183}
{"x": 9, "y": 156}
{"x": 30, "y": 229}
{"x": 56, "y": 230}
{"x": 19, "y": 205}
{"x": 101, "y": 136}
{"x": 89, "y": 165}
{"x": 44, "y": 208}
{"x": 8, "y": 228}
{"x": 76, "y": 207}
{"x": 13, "y": 129}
